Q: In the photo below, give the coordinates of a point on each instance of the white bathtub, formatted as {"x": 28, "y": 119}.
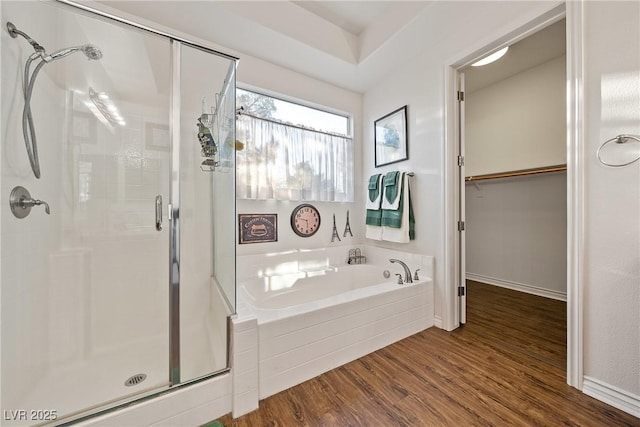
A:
{"x": 309, "y": 322}
{"x": 295, "y": 289}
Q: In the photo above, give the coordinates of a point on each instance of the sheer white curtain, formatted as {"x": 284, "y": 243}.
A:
{"x": 283, "y": 162}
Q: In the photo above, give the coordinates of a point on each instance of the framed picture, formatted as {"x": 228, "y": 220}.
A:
{"x": 258, "y": 228}
{"x": 390, "y": 137}
{"x": 157, "y": 136}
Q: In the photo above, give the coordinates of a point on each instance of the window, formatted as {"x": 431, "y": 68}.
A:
{"x": 292, "y": 152}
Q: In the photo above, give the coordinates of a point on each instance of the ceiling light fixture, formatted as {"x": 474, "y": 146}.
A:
{"x": 491, "y": 58}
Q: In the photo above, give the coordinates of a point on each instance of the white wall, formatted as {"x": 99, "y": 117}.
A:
{"x": 518, "y": 123}
{"x": 611, "y": 282}
{"x": 516, "y": 233}
{"x": 258, "y": 74}
{"x": 611, "y": 210}
{"x": 26, "y": 341}
{"x": 420, "y": 84}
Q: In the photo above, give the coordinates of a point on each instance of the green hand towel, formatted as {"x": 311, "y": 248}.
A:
{"x": 374, "y": 217}
{"x": 412, "y": 220}
{"x": 392, "y": 184}
{"x": 374, "y": 214}
{"x": 393, "y": 217}
{"x": 374, "y": 189}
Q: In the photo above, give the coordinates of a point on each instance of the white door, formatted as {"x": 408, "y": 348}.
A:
{"x": 462, "y": 268}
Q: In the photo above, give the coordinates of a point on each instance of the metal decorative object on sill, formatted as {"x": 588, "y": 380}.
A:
{"x": 620, "y": 139}
{"x": 347, "y": 227}
{"x": 356, "y": 257}
{"x": 335, "y": 235}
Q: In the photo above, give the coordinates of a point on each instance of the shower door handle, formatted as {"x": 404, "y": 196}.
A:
{"x": 159, "y": 213}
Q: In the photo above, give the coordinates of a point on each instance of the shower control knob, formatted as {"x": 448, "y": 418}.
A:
{"x": 21, "y": 202}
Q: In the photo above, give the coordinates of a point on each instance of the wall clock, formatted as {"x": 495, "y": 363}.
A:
{"x": 305, "y": 220}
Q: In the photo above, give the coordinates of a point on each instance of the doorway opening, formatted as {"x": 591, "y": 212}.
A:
{"x": 454, "y": 183}
{"x": 513, "y": 204}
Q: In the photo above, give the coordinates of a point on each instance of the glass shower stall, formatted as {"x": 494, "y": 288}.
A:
{"x": 117, "y": 262}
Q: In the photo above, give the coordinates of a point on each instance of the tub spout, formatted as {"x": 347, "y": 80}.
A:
{"x": 407, "y": 272}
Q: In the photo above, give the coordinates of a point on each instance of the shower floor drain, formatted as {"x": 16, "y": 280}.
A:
{"x": 135, "y": 380}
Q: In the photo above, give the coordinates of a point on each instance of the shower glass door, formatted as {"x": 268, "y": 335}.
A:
{"x": 207, "y": 205}
{"x": 108, "y": 298}
{"x": 85, "y": 289}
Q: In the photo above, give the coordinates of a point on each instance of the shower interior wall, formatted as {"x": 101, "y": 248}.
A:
{"x": 89, "y": 283}
{"x": 27, "y": 348}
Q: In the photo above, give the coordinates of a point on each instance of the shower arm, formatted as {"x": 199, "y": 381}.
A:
{"x": 28, "y": 127}
{"x": 14, "y": 32}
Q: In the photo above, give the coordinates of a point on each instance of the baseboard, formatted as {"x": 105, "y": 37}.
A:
{"x": 529, "y": 289}
{"x": 611, "y": 395}
{"x": 437, "y": 322}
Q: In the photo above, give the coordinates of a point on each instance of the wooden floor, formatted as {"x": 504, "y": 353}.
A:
{"x": 505, "y": 367}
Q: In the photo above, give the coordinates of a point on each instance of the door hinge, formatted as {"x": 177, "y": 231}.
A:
{"x": 460, "y": 161}
{"x": 460, "y": 225}
{"x": 461, "y": 291}
{"x": 460, "y": 95}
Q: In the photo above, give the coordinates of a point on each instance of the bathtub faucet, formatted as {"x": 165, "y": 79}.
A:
{"x": 407, "y": 272}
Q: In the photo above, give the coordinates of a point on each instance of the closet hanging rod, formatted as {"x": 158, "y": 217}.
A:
{"x": 522, "y": 172}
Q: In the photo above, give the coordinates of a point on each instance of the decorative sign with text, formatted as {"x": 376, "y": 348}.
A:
{"x": 258, "y": 228}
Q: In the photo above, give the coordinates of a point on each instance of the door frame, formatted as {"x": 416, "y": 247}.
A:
{"x": 453, "y": 240}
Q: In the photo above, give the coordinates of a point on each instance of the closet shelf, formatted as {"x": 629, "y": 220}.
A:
{"x": 522, "y": 172}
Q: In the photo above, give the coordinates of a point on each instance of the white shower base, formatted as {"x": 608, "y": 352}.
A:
{"x": 77, "y": 387}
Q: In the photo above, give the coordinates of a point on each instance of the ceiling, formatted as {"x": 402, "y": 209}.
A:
{"x": 345, "y": 43}
{"x": 352, "y": 16}
{"x": 543, "y": 46}
{"x": 351, "y": 44}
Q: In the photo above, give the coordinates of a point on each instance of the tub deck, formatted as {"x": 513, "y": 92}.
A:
{"x": 277, "y": 348}
{"x": 299, "y": 339}
{"x": 299, "y": 347}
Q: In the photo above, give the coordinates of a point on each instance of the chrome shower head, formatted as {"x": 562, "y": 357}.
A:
{"x": 91, "y": 52}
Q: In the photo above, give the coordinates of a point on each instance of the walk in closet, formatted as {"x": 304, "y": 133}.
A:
{"x": 515, "y": 167}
